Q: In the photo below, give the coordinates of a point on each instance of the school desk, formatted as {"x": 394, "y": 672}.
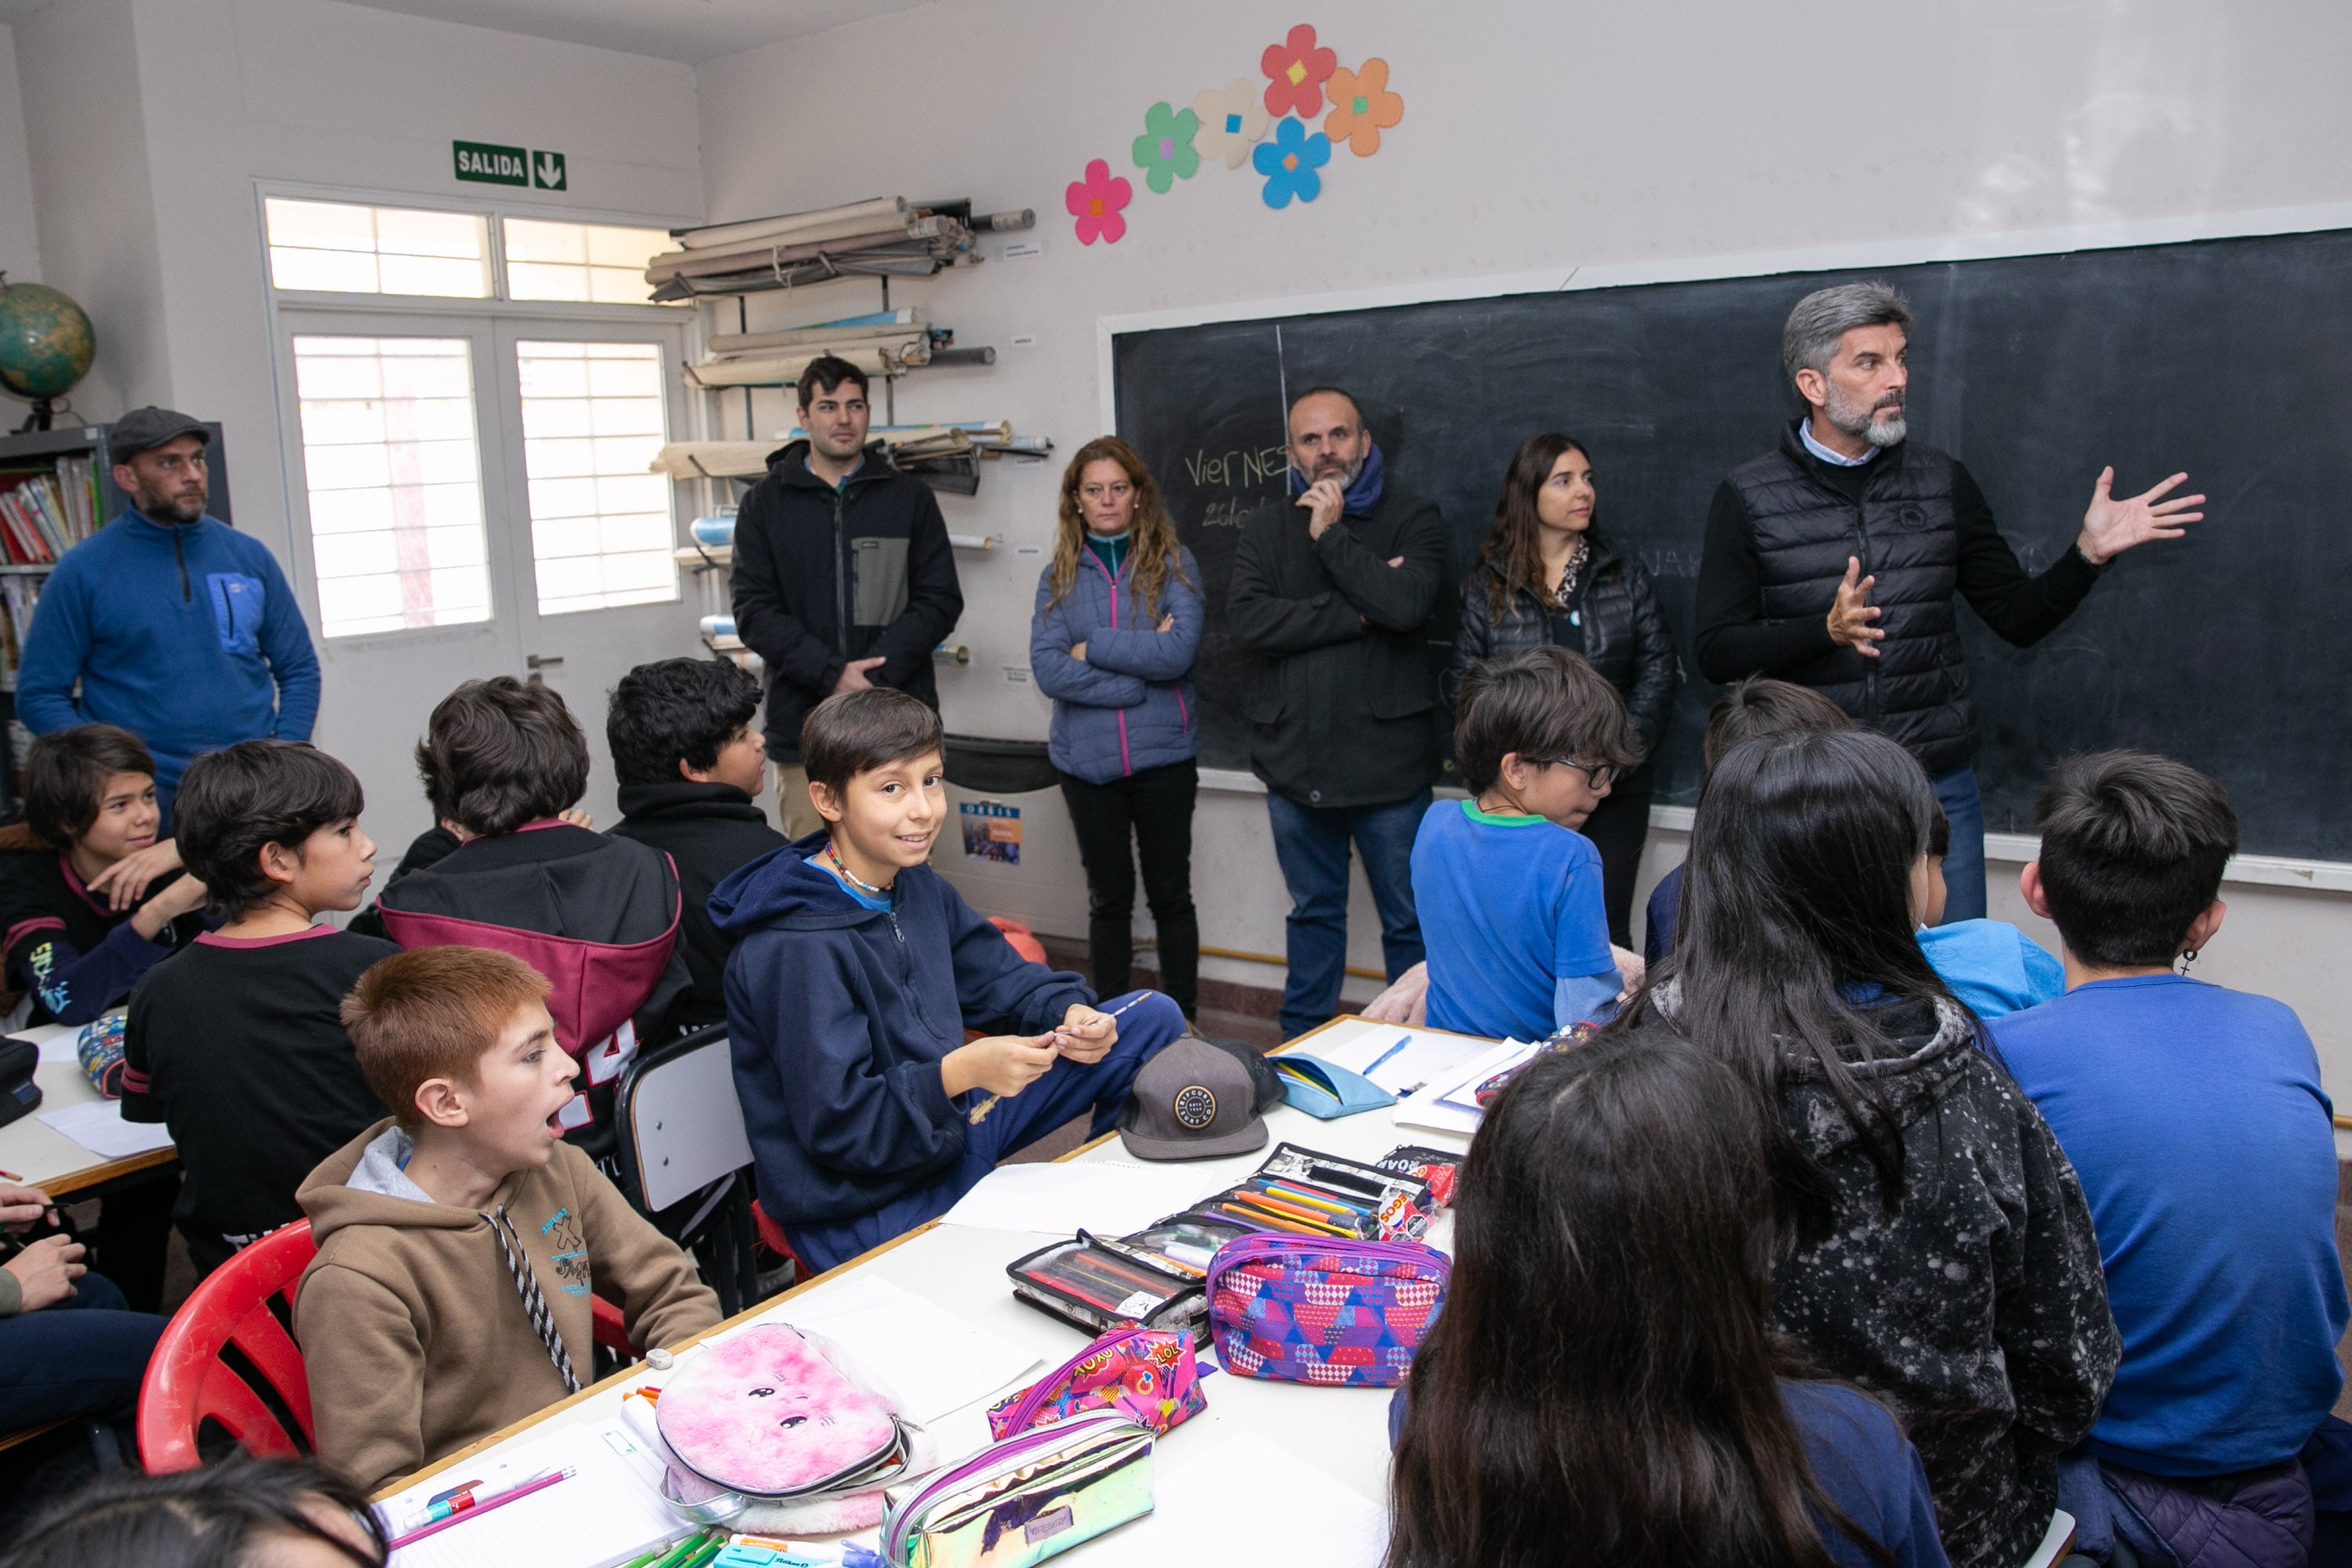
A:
{"x": 1343, "y": 1432}
{"x": 35, "y": 1155}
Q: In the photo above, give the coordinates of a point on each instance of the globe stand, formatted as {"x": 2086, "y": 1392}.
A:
{"x": 40, "y": 418}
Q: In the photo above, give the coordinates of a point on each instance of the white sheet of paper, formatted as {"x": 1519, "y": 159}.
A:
{"x": 1220, "y": 1509}
{"x": 56, "y": 1040}
{"x": 1106, "y": 1197}
{"x": 98, "y": 1126}
{"x": 932, "y": 1360}
{"x": 1432, "y": 1109}
{"x": 1426, "y": 1057}
{"x": 607, "y": 1512}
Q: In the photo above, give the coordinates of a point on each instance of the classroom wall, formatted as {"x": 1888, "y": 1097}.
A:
{"x": 1535, "y": 135}
{"x": 20, "y": 240}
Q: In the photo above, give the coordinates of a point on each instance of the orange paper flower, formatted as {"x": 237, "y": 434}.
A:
{"x": 1362, "y": 107}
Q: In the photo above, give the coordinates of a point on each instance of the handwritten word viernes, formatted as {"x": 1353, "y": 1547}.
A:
{"x": 1237, "y": 469}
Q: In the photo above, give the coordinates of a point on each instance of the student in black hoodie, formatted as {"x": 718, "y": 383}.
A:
{"x": 844, "y": 577}
{"x": 692, "y": 767}
{"x": 597, "y": 915}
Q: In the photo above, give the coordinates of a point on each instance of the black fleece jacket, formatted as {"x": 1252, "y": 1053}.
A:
{"x": 823, "y": 575}
{"x": 707, "y": 830}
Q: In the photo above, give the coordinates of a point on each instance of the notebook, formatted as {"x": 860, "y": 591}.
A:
{"x": 608, "y": 1513}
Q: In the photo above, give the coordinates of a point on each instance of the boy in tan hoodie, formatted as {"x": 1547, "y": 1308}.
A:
{"x": 460, "y": 1240}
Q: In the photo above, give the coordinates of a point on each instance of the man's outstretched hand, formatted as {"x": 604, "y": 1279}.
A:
{"x": 2110, "y": 526}
{"x": 1850, "y": 619}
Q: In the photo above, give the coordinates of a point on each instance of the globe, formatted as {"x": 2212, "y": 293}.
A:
{"x": 46, "y": 342}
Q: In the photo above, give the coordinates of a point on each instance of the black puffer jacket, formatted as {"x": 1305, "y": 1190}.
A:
{"x": 1615, "y": 623}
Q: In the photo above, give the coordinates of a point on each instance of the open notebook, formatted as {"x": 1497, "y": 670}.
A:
{"x": 608, "y": 1513}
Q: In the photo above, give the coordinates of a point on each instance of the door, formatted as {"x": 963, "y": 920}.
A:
{"x": 473, "y": 499}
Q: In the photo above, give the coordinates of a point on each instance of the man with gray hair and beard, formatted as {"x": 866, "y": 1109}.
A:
{"x": 1848, "y": 509}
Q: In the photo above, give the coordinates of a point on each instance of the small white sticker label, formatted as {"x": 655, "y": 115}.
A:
{"x": 1028, "y": 550}
{"x": 1015, "y": 249}
{"x": 1024, "y": 339}
{"x": 1016, "y": 675}
{"x": 1135, "y": 1306}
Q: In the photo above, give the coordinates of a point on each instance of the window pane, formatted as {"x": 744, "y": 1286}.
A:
{"x": 346, "y": 248}
{"x": 394, "y": 482}
{"x": 601, "y": 526}
{"x": 603, "y": 264}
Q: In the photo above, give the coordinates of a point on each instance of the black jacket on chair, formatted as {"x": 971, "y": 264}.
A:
{"x": 1339, "y": 703}
{"x": 822, "y": 576}
{"x": 708, "y": 831}
{"x": 1615, "y": 623}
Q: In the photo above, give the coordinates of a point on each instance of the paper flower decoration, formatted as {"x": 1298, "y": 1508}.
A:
{"x": 1296, "y": 71}
{"x": 1232, "y": 120}
{"x": 1362, "y": 106}
{"x": 1289, "y": 163}
{"x": 1164, "y": 151}
{"x": 1094, "y": 202}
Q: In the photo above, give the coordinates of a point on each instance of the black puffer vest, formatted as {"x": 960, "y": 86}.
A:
{"x": 1807, "y": 520}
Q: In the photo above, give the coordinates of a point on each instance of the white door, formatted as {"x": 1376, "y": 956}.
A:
{"x": 471, "y": 501}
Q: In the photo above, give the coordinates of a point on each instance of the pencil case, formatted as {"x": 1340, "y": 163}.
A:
{"x": 1093, "y": 1289}
{"x": 1148, "y": 1375}
{"x": 1310, "y": 1193}
{"x": 1297, "y": 1309}
{"x": 1183, "y": 1244}
{"x": 1440, "y": 1168}
{"x": 99, "y": 1049}
{"x": 19, "y": 1095}
{"x": 1325, "y": 1091}
{"x": 1021, "y": 1501}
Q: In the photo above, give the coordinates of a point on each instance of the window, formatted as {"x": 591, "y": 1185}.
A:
{"x": 344, "y": 248}
{"x": 596, "y": 263}
{"x": 600, "y": 523}
{"x": 394, "y": 481}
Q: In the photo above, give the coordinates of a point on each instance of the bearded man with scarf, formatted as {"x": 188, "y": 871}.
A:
{"x": 1333, "y": 595}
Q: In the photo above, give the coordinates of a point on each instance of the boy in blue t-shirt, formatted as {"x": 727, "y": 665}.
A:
{"x": 1509, "y": 893}
{"x": 2195, "y": 1117}
{"x": 1992, "y": 965}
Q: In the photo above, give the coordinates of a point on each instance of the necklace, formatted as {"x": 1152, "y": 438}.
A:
{"x": 835, "y": 856}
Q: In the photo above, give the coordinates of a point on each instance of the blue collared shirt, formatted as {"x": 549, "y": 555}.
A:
{"x": 1805, "y": 433}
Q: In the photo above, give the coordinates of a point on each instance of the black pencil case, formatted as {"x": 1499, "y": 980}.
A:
{"x": 1396, "y": 1206}
{"x": 19, "y": 1095}
{"x": 1092, "y": 1287}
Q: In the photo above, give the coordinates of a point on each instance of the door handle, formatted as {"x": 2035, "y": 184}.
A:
{"x": 537, "y": 662}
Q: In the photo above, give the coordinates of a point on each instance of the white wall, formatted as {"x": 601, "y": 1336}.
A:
{"x": 1535, "y": 135}
{"x": 20, "y": 240}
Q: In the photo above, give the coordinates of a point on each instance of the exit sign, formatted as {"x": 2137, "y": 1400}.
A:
{"x": 489, "y": 163}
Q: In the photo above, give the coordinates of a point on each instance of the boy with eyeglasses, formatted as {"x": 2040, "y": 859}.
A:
{"x": 1509, "y": 892}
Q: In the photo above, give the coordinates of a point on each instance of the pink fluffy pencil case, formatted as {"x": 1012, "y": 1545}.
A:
{"x": 765, "y": 1414}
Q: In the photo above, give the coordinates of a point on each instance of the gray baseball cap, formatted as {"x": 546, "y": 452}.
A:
{"x": 1196, "y": 1099}
{"x": 144, "y": 430}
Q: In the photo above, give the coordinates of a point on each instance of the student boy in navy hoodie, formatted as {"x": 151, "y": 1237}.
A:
{"x": 856, "y": 972}
{"x": 178, "y": 628}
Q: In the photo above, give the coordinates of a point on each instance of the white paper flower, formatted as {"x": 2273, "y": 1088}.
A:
{"x": 1233, "y": 121}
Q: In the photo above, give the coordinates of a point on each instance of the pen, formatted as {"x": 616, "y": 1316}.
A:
{"x": 1402, "y": 1041}
{"x": 980, "y": 1112}
{"x": 536, "y": 1483}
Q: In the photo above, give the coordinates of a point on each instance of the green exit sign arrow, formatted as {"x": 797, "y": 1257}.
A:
{"x": 491, "y": 164}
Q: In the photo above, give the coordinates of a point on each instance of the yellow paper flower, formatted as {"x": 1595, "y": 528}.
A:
{"x": 1362, "y": 107}
{"x": 1233, "y": 121}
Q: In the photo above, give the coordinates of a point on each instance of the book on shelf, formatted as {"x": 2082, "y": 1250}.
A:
{"x": 18, "y": 595}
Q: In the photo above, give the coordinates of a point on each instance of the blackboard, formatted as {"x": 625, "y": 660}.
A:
{"x": 2232, "y": 359}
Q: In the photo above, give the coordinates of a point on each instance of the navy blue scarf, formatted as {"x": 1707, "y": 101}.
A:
{"x": 1363, "y": 495}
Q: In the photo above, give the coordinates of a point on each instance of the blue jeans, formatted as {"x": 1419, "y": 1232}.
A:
{"x": 1964, "y": 876}
{"x": 1312, "y": 842}
{"x": 1066, "y": 1089}
{"x": 83, "y": 1356}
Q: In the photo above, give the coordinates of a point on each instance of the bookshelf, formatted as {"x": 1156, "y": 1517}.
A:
{"x": 71, "y": 471}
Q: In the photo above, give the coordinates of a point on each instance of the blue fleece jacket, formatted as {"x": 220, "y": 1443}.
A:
{"x": 1128, "y": 705}
{"x": 187, "y": 637}
{"x": 838, "y": 1017}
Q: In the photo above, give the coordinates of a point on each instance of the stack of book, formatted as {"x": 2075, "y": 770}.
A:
{"x": 885, "y": 237}
{"x": 18, "y": 595}
{"x": 45, "y": 513}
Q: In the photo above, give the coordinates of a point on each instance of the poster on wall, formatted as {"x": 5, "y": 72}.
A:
{"x": 992, "y": 831}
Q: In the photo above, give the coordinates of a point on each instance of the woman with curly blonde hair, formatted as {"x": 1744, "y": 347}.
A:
{"x": 1118, "y": 624}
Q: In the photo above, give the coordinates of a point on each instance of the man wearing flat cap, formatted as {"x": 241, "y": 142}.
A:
{"x": 176, "y": 627}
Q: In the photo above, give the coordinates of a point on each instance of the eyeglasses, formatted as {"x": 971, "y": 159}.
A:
{"x": 1596, "y": 775}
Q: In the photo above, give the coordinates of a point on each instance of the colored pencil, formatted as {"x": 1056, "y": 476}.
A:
{"x": 536, "y": 1483}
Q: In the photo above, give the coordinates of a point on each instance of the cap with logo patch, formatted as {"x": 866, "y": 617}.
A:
{"x": 1198, "y": 1099}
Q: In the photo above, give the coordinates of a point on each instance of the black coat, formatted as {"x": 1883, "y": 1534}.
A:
{"x": 1615, "y": 623}
{"x": 822, "y": 576}
{"x": 1338, "y": 703}
{"x": 709, "y": 830}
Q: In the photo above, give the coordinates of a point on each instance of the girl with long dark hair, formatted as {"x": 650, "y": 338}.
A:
{"x": 1955, "y": 1274}
{"x": 1116, "y": 625}
{"x": 1547, "y": 574}
{"x": 1603, "y": 1386}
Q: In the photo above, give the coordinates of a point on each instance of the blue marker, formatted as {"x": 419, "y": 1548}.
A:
{"x": 1402, "y": 1041}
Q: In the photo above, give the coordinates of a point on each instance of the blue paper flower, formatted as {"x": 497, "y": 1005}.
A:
{"x": 1289, "y": 162}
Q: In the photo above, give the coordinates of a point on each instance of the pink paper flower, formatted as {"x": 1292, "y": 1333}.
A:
{"x": 1094, "y": 202}
{"x": 1296, "y": 71}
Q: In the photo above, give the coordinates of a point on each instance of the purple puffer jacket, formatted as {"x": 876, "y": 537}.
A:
{"x": 2262, "y": 1520}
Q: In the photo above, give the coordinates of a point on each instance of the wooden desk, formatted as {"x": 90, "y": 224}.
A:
{"x": 1341, "y": 1431}
{"x": 43, "y": 1157}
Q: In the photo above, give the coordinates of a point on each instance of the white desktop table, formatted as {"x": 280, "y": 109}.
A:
{"x": 35, "y": 1154}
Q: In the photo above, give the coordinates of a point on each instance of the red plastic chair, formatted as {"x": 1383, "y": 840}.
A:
{"x": 1023, "y": 941}
{"x": 187, "y": 1382}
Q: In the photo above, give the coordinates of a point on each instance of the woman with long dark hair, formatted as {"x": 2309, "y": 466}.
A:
{"x": 1547, "y": 574}
{"x": 1956, "y": 1276}
{"x": 1116, "y": 625}
{"x": 1602, "y": 1386}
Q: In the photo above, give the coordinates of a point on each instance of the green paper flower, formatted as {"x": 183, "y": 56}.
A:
{"x": 1164, "y": 151}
